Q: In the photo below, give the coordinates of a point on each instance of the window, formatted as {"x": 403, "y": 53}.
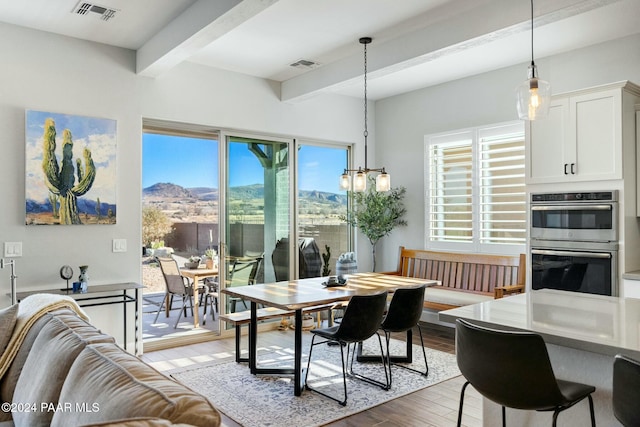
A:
{"x": 475, "y": 189}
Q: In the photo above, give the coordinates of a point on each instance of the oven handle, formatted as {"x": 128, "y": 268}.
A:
{"x": 570, "y": 253}
{"x": 572, "y": 208}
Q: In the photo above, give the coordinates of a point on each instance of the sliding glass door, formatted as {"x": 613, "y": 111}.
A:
{"x": 257, "y": 207}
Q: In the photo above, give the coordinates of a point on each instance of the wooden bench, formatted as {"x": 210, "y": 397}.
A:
{"x": 240, "y": 318}
{"x": 465, "y": 278}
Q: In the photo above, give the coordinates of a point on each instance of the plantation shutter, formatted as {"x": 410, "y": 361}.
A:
{"x": 450, "y": 189}
{"x": 502, "y": 197}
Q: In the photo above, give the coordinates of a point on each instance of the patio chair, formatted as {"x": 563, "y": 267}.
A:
{"x": 210, "y": 297}
{"x": 176, "y": 284}
{"x": 242, "y": 272}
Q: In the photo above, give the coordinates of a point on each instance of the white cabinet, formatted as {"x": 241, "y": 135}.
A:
{"x": 580, "y": 140}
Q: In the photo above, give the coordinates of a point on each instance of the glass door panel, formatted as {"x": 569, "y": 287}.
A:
{"x": 258, "y": 213}
{"x": 320, "y": 205}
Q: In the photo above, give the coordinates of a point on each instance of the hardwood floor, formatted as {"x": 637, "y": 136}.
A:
{"x": 435, "y": 406}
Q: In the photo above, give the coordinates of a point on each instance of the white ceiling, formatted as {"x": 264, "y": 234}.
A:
{"x": 416, "y": 43}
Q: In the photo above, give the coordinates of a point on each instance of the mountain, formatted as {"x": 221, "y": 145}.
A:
{"x": 166, "y": 190}
{"x": 245, "y": 192}
{"x": 322, "y": 196}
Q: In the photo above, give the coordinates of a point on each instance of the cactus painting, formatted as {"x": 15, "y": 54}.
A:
{"x": 70, "y": 179}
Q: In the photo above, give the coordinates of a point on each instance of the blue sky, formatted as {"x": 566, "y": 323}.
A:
{"x": 191, "y": 162}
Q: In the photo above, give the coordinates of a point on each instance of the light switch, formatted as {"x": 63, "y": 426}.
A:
{"x": 119, "y": 245}
{"x": 12, "y": 249}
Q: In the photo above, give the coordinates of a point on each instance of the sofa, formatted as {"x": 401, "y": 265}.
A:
{"x": 56, "y": 369}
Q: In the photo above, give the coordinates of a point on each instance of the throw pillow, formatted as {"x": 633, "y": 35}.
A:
{"x": 8, "y": 318}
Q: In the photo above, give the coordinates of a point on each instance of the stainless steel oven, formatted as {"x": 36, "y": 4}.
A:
{"x": 589, "y": 217}
{"x": 589, "y": 269}
{"x": 574, "y": 242}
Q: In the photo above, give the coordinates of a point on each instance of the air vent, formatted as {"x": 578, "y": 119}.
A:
{"x": 91, "y": 9}
{"x": 305, "y": 64}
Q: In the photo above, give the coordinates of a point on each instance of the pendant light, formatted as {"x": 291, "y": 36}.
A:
{"x": 383, "y": 180}
{"x": 534, "y": 95}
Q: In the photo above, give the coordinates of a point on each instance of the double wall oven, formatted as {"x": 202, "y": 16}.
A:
{"x": 574, "y": 242}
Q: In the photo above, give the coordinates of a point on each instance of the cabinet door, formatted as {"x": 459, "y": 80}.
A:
{"x": 547, "y": 156}
{"x": 596, "y": 128}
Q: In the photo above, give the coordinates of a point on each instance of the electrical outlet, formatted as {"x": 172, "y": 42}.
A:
{"x": 12, "y": 249}
{"x": 119, "y": 245}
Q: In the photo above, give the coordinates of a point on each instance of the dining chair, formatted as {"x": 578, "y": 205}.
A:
{"x": 626, "y": 390}
{"x": 513, "y": 370}
{"x": 175, "y": 284}
{"x": 360, "y": 322}
{"x": 403, "y": 315}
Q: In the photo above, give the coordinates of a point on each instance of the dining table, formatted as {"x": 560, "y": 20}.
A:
{"x": 195, "y": 275}
{"x": 301, "y": 294}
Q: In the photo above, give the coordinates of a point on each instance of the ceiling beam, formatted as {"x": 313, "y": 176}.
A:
{"x": 199, "y": 25}
{"x": 484, "y": 24}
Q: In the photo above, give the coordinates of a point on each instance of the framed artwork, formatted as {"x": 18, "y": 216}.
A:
{"x": 70, "y": 169}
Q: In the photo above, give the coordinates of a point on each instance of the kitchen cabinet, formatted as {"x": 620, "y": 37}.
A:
{"x": 580, "y": 140}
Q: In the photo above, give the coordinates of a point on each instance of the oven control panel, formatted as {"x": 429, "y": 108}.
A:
{"x": 596, "y": 196}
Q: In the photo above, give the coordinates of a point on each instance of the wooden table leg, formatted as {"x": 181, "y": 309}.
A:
{"x": 196, "y": 303}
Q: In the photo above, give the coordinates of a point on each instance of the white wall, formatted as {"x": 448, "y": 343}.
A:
{"x": 403, "y": 121}
{"x": 42, "y": 71}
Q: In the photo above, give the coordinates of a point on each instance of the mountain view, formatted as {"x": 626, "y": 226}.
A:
{"x": 246, "y": 203}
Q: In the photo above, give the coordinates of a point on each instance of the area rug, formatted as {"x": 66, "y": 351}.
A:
{"x": 268, "y": 401}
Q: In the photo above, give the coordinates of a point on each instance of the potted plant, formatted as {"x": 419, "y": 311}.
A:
{"x": 209, "y": 256}
{"x": 194, "y": 262}
{"x": 376, "y": 213}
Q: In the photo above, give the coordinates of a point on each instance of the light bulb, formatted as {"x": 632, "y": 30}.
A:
{"x": 383, "y": 182}
{"x": 345, "y": 181}
{"x": 360, "y": 181}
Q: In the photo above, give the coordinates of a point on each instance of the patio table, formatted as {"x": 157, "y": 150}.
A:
{"x": 196, "y": 274}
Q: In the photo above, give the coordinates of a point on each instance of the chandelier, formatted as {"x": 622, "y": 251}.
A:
{"x": 534, "y": 95}
{"x": 383, "y": 180}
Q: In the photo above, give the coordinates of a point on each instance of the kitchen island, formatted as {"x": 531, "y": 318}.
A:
{"x": 583, "y": 333}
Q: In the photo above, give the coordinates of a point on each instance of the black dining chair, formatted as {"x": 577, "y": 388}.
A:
{"x": 403, "y": 315}
{"x": 513, "y": 370}
{"x": 360, "y": 322}
{"x": 626, "y": 390}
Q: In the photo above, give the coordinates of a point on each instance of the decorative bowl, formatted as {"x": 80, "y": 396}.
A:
{"x": 191, "y": 265}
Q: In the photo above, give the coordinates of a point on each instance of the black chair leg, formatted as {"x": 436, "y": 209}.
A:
{"x": 344, "y": 372}
{"x": 504, "y": 417}
{"x": 384, "y": 385}
{"x": 591, "y": 412}
{"x": 464, "y": 387}
{"x": 387, "y": 336}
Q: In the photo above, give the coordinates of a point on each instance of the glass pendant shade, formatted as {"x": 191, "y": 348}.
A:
{"x": 345, "y": 182}
{"x": 383, "y": 182}
{"x": 534, "y": 97}
{"x": 360, "y": 181}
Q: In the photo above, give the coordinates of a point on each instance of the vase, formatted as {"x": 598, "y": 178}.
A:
{"x": 83, "y": 278}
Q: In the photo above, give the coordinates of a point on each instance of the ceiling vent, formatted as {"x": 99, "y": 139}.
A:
{"x": 92, "y": 9}
{"x": 305, "y": 64}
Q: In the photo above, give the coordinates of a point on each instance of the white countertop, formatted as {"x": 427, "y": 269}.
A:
{"x": 595, "y": 323}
